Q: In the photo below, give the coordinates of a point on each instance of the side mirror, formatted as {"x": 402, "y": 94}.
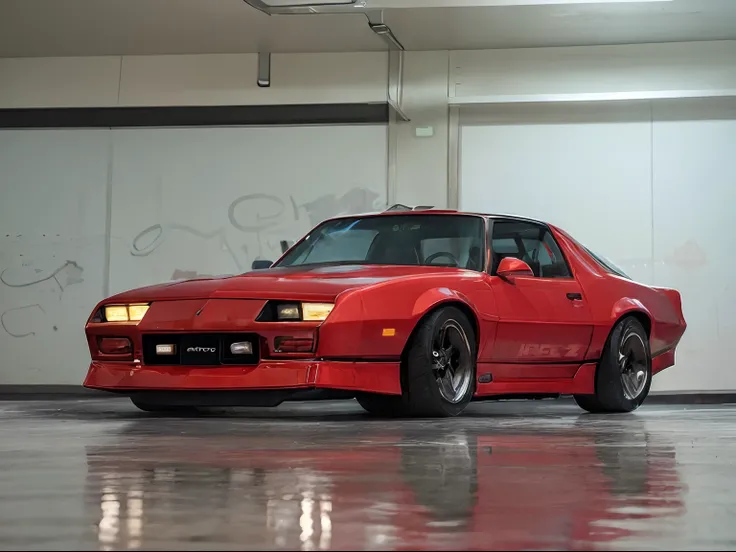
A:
{"x": 261, "y": 264}
{"x": 511, "y": 268}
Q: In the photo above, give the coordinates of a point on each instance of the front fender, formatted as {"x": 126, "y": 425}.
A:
{"x": 376, "y": 322}
{"x": 434, "y": 296}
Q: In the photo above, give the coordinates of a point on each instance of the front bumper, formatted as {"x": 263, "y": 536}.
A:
{"x": 371, "y": 377}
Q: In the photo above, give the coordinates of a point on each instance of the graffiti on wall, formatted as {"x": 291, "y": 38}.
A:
{"x": 263, "y": 224}
{"x": 14, "y": 319}
{"x": 254, "y": 226}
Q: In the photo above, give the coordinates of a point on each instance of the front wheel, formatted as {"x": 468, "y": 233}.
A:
{"x": 157, "y": 408}
{"x": 624, "y": 373}
{"x": 439, "y": 369}
{"x": 383, "y": 406}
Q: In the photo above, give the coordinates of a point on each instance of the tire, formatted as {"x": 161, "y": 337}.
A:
{"x": 154, "y": 408}
{"x": 423, "y": 393}
{"x": 624, "y": 374}
{"x": 385, "y": 406}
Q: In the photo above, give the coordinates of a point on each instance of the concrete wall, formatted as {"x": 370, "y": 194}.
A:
{"x": 86, "y": 213}
{"x": 221, "y": 79}
{"x": 624, "y": 69}
{"x": 439, "y": 89}
{"x": 432, "y": 81}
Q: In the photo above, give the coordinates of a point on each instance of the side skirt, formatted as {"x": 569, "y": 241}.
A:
{"x": 535, "y": 379}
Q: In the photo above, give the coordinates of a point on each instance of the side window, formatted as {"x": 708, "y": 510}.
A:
{"x": 532, "y": 243}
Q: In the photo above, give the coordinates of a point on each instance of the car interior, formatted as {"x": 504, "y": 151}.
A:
{"x": 531, "y": 243}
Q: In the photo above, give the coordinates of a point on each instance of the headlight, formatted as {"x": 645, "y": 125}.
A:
{"x": 316, "y": 311}
{"x": 125, "y": 313}
{"x": 309, "y": 312}
{"x": 287, "y": 312}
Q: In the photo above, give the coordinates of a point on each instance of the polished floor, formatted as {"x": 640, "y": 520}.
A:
{"x": 99, "y": 475}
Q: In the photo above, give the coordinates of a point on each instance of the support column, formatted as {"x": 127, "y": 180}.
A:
{"x": 421, "y": 157}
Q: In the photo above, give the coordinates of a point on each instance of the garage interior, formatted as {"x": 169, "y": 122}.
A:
{"x": 150, "y": 141}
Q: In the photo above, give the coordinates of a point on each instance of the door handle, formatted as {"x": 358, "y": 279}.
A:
{"x": 575, "y": 296}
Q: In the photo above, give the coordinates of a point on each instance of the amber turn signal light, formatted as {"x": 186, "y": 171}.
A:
{"x": 288, "y": 344}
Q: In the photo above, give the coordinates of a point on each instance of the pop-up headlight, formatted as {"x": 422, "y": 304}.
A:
{"x": 125, "y": 313}
{"x": 316, "y": 311}
{"x": 307, "y": 312}
{"x": 287, "y": 311}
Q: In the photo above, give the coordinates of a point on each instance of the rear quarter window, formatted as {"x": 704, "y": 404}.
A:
{"x": 607, "y": 265}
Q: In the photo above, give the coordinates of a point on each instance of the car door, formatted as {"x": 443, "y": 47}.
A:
{"x": 542, "y": 318}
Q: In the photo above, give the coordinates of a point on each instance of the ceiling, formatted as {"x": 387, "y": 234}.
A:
{"x": 131, "y": 27}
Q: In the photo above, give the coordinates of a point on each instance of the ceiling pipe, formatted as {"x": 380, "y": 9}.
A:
{"x": 377, "y": 25}
{"x": 315, "y": 7}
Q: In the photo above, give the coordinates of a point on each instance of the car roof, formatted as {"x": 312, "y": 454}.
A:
{"x": 391, "y": 211}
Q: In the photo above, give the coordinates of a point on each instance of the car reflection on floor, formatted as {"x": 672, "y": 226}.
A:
{"x": 382, "y": 489}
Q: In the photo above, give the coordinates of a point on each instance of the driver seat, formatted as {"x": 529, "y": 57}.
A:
{"x": 392, "y": 251}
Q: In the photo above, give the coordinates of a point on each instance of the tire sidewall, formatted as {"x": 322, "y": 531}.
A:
{"x": 609, "y": 386}
{"x": 423, "y": 343}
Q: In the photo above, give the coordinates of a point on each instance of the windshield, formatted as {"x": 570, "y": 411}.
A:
{"x": 435, "y": 240}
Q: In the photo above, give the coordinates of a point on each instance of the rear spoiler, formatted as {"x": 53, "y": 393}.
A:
{"x": 401, "y": 207}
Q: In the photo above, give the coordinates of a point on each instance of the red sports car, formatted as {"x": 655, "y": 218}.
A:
{"x": 411, "y": 312}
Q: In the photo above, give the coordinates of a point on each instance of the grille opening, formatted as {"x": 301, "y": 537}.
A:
{"x": 204, "y": 349}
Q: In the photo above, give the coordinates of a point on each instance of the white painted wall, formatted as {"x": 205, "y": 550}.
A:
{"x": 209, "y": 201}
{"x": 706, "y": 66}
{"x": 648, "y": 185}
{"x": 52, "y": 249}
{"x": 694, "y": 171}
{"x": 568, "y": 164}
{"x": 218, "y": 79}
{"x": 421, "y": 169}
{"x": 86, "y": 213}
{"x": 422, "y": 163}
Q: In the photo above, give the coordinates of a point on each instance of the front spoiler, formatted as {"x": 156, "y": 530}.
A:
{"x": 126, "y": 377}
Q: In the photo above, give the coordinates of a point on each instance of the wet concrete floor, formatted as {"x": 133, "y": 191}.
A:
{"x": 96, "y": 474}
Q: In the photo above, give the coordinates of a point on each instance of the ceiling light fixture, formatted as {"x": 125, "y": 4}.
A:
{"x": 292, "y": 7}
{"x": 419, "y": 4}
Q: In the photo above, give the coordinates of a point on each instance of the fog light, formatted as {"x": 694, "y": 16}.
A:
{"x": 241, "y": 348}
{"x": 165, "y": 349}
{"x": 114, "y": 345}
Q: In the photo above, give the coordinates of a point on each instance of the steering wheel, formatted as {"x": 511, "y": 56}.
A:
{"x": 445, "y": 254}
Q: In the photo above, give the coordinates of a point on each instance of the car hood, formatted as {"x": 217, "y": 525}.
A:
{"x": 294, "y": 283}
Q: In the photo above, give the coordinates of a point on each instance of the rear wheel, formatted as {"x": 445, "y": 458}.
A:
{"x": 624, "y": 373}
{"x": 158, "y": 408}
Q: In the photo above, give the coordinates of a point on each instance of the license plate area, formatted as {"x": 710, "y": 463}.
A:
{"x": 200, "y": 349}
